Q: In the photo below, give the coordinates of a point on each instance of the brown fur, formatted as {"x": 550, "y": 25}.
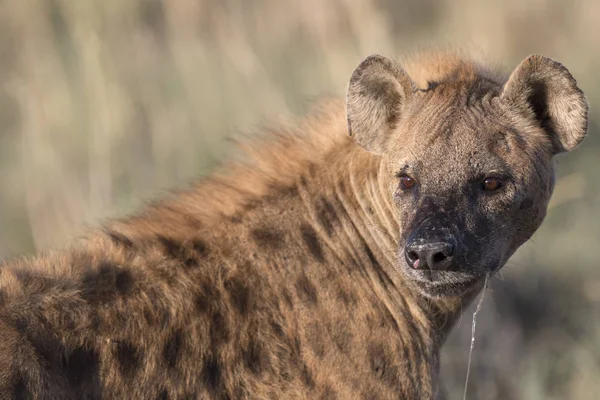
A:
{"x": 280, "y": 277}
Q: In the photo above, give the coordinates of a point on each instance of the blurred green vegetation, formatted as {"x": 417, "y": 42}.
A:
{"x": 103, "y": 104}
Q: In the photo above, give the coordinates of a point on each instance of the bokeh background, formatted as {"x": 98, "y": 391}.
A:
{"x": 105, "y": 103}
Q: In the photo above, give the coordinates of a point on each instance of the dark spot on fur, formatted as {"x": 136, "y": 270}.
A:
{"x": 288, "y": 362}
{"x": 255, "y": 357}
{"x": 37, "y": 282}
{"x": 150, "y": 316}
{"x": 219, "y": 330}
{"x": 306, "y": 290}
{"x": 81, "y": 365}
{"x": 240, "y": 390}
{"x": 314, "y": 336}
{"x": 171, "y": 247}
{"x": 312, "y": 242}
{"x": 119, "y": 239}
{"x": 206, "y": 298}
{"x": 19, "y": 385}
{"x": 278, "y": 329}
{"x": 105, "y": 283}
{"x": 297, "y": 346}
{"x": 370, "y": 394}
{"x": 431, "y": 85}
{"x": 307, "y": 377}
{"x": 21, "y": 324}
{"x": 284, "y": 190}
{"x": 48, "y": 350}
{"x": 200, "y": 247}
{"x": 184, "y": 254}
{"x": 384, "y": 278}
{"x": 326, "y": 215}
{"x": 175, "y": 250}
{"x": 342, "y": 337}
{"x": 346, "y": 296}
{"x": 211, "y": 373}
{"x": 292, "y": 191}
{"x": 250, "y": 205}
{"x": 123, "y": 281}
{"x": 236, "y": 219}
{"x": 377, "y": 360}
{"x": 239, "y": 293}
{"x": 328, "y": 393}
{"x": 190, "y": 262}
{"x": 382, "y": 366}
{"x": 388, "y": 319}
{"x": 172, "y": 349}
{"x": 128, "y": 358}
{"x": 267, "y": 238}
{"x": 371, "y": 256}
{"x": 163, "y": 395}
{"x": 192, "y": 221}
{"x": 287, "y": 297}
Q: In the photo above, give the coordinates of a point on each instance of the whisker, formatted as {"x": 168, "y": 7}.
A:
{"x": 385, "y": 232}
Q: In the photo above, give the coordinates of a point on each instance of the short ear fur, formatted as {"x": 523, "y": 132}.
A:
{"x": 378, "y": 88}
{"x": 550, "y": 92}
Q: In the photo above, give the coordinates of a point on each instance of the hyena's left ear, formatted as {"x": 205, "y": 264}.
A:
{"x": 550, "y": 93}
{"x": 378, "y": 89}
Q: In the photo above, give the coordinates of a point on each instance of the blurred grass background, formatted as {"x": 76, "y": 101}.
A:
{"x": 103, "y": 104}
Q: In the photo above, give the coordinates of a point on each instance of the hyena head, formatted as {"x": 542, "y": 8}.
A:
{"x": 468, "y": 158}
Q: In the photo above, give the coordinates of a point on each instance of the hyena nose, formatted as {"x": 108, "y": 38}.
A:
{"x": 433, "y": 256}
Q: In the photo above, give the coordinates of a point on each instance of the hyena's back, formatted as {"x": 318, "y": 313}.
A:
{"x": 258, "y": 299}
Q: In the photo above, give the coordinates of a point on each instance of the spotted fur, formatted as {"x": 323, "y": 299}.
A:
{"x": 280, "y": 277}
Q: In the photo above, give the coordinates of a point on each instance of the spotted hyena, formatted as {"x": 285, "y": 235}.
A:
{"x": 323, "y": 268}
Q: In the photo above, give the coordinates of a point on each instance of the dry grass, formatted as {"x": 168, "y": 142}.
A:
{"x": 104, "y": 103}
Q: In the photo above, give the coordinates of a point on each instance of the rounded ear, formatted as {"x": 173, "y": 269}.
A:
{"x": 377, "y": 90}
{"x": 551, "y": 94}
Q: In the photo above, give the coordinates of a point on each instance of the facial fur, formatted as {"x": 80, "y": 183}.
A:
{"x": 469, "y": 159}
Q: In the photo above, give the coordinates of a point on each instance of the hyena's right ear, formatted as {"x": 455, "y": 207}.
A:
{"x": 548, "y": 91}
{"x": 377, "y": 91}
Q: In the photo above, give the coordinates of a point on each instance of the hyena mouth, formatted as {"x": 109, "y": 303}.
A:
{"x": 444, "y": 283}
{"x": 436, "y": 283}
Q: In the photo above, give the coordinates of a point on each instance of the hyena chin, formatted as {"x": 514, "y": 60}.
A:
{"x": 319, "y": 268}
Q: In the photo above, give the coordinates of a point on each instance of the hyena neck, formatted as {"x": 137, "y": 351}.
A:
{"x": 358, "y": 187}
{"x": 444, "y": 313}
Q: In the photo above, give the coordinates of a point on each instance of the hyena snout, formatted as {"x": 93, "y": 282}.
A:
{"x": 434, "y": 253}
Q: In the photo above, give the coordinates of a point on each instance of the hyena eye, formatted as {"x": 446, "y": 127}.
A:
{"x": 407, "y": 182}
{"x": 491, "y": 184}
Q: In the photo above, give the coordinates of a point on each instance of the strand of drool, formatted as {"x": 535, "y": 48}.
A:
{"x": 473, "y": 334}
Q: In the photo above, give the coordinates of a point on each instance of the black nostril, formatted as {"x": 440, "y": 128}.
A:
{"x": 412, "y": 258}
{"x": 433, "y": 256}
{"x": 413, "y": 255}
{"x": 446, "y": 250}
{"x": 438, "y": 257}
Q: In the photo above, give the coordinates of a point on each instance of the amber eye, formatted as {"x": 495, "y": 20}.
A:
{"x": 406, "y": 182}
{"x": 490, "y": 184}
